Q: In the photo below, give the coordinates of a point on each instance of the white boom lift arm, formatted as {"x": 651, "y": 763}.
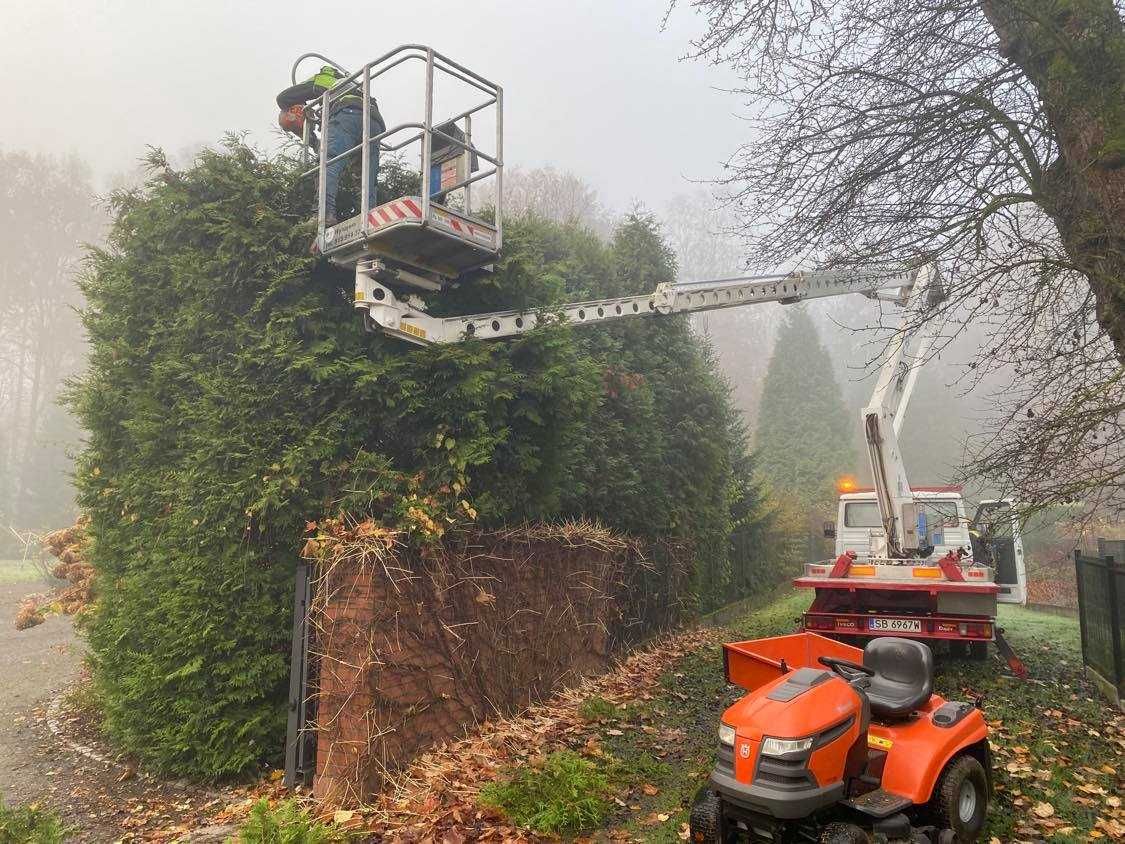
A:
{"x": 403, "y": 315}
{"x": 882, "y": 418}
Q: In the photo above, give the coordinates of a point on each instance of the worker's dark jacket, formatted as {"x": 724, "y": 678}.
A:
{"x": 314, "y": 87}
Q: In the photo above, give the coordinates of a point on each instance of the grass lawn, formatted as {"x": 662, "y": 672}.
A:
{"x": 19, "y": 571}
{"x": 1058, "y": 747}
{"x": 31, "y": 824}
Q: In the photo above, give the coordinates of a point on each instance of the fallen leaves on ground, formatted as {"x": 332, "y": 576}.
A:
{"x": 31, "y": 612}
{"x": 1057, "y": 756}
{"x": 434, "y": 801}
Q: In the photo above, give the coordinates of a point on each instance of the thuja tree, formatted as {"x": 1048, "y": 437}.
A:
{"x": 804, "y": 437}
{"x": 232, "y": 395}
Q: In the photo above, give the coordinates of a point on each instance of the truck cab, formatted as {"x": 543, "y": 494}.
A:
{"x": 942, "y": 521}
{"x": 992, "y": 534}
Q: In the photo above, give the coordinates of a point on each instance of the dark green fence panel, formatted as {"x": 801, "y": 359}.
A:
{"x": 1101, "y": 607}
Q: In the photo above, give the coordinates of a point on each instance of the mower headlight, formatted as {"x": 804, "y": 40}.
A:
{"x": 785, "y": 747}
{"x": 726, "y": 734}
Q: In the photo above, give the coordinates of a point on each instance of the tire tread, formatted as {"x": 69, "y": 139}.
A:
{"x": 943, "y": 804}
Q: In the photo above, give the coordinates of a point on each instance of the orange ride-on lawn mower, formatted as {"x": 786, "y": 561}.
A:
{"x": 840, "y": 745}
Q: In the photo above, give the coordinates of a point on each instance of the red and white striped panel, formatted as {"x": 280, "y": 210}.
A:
{"x": 467, "y": 229}
{"x": 393, "y": 212}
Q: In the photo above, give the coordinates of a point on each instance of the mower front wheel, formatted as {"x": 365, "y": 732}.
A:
{"x": 960, "y": 800}
{"x": 843, "y": 833}
{"x": 705, "y": 823}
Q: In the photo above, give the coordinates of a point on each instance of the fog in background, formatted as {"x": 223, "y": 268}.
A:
{"x": 592, "y": 87}
{"x": 594, "y": 91}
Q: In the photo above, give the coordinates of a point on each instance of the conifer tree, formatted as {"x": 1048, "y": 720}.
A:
{"x": 804, "y": 435}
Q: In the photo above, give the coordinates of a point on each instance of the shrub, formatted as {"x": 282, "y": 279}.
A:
{"x": 288, "y": 823}
{"x": 566, "y": 793}
{"x": 231, "y": 396}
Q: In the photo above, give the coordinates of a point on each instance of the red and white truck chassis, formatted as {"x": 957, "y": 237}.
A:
{"x": 885, "y": 598}
{"x": 951, "y": 594}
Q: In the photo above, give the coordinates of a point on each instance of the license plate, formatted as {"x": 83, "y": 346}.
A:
{"x": 896, "y": 625}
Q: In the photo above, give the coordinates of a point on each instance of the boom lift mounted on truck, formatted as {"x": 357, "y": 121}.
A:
{"x": 437, "y": 239}
{"x": 413, "y": 245}
{"x": 896, "y": 590}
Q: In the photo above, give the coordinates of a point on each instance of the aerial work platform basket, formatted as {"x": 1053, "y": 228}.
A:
{"x": 436, "y": 232}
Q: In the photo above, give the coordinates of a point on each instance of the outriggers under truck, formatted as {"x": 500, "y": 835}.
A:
{"x": 913, "y": 573}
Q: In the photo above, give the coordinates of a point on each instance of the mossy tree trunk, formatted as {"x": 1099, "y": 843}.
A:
{"x": 1073, "y": 52}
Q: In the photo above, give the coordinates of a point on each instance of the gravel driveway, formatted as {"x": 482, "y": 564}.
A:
{"x": 99, "y": 801}
{"x": 36, "y": 663}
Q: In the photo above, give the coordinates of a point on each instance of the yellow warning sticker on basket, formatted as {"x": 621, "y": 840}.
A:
{"x": 879, "y": 742}
{"x": 359, "y": 294}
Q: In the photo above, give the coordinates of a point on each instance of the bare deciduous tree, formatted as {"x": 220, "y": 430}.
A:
{"x": 987, "y": 134}
{"x": 555, "y": 195}
{"x": 49, "y": 213}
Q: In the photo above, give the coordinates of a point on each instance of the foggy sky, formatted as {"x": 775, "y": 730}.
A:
{"x": 592, "y": 86}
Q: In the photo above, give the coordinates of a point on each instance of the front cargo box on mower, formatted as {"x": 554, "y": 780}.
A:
{"x": 754, "y": 663}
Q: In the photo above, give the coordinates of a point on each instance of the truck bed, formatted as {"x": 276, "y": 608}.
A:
{"x": 931, "y": 586}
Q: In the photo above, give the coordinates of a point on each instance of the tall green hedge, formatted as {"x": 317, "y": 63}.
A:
{"x": 232, "y": 395}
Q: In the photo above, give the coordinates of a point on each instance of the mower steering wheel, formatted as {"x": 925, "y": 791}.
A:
{"x": 843, "y": 666}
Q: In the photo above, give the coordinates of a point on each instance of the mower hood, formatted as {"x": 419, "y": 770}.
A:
{"x": 803, "y": 703}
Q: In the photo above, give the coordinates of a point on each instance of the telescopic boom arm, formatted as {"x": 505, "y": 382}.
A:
{"x": 404, "y": 316}
{"x": 882, "y": 418}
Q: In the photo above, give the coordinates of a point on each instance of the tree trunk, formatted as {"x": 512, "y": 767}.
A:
{"x": 1073, "y": 52}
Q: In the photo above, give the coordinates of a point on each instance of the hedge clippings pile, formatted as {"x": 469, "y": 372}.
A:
{"x": 68, "y": 546}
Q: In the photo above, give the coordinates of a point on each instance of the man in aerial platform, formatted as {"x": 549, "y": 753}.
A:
{"x": 345, "y": 129}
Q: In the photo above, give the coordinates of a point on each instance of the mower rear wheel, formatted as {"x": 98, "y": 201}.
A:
{"x": 705, "y": 824}
{"x": 960, "y": 800}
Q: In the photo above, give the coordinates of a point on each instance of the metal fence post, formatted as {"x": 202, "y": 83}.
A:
{"x": 1082, "y": 602}
{"x": 296, "y": 765}
{"x": 1114, "y": 622}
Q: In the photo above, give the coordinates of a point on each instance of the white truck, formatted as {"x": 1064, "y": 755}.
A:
{"x": 993, "y": 533}
{"x": 955, "y": 602}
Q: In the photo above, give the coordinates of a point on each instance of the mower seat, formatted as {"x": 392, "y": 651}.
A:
{"x": 903, "y": 679}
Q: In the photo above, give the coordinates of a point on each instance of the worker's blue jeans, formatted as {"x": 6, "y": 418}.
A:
{"x": 345, "y": 130}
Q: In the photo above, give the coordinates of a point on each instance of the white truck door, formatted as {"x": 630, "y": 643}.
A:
{"x": 997, "y": 541}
